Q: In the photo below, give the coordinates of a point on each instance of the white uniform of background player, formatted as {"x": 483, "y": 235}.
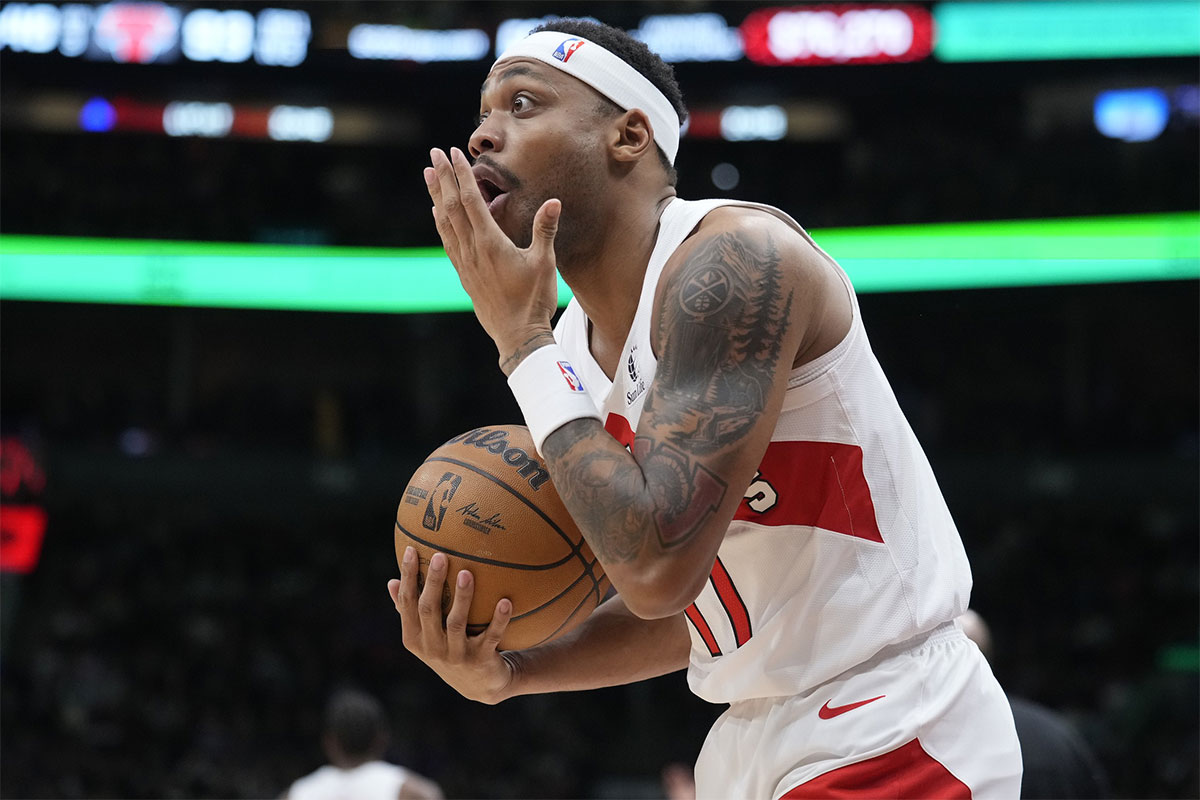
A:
{"x": 827, "y": 622}
{"x": 375, "y": 780}
{"x": 354, "y": 737}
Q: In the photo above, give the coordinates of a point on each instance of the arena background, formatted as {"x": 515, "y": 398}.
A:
{"x": 199, "y": 489}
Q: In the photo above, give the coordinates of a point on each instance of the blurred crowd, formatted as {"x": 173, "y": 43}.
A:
{"x": 182, "y": 650}
{"x": 172, "y": 651}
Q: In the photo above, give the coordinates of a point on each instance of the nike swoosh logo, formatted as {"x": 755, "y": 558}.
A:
{"x": 829, "y": 712}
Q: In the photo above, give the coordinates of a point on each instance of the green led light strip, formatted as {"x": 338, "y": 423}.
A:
{"x": 880, "y": 259}
{"x": 1024, "y": 31}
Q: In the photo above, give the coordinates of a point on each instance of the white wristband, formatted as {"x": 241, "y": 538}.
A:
{"x": 549, "y": 392}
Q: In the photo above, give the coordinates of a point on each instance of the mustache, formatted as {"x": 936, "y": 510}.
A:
{"x": 511, "y": 180}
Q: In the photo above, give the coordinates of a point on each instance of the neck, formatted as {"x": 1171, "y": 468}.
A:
{"x": 614, "y": 254}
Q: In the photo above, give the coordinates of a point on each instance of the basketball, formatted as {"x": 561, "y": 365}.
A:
{"x": 485, "y": 500}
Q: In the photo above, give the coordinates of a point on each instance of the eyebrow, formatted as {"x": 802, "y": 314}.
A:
{"x": 512, "y": 72}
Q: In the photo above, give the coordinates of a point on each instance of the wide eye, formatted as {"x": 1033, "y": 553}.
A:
{"x": 521, "y": 103}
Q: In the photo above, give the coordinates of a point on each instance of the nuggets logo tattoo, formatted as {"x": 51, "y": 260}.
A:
{"x": 705, "y": 292}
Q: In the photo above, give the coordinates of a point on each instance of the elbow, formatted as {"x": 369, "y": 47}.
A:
{"x": 658, "y": 591}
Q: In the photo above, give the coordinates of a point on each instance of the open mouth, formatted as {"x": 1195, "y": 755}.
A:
{"x": 490, "y": 191}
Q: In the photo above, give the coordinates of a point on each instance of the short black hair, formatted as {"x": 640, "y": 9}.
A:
{"x": 357, "y": 723}
{"x": 634, "y": 53}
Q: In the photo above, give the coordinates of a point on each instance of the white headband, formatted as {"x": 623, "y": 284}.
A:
{"x": 606, "y": 73}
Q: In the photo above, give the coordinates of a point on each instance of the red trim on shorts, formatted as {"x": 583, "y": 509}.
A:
{"x": 906, "y": 773}
{"x": 732, "y": 602}
{"x": 703, "y": 629}
{"x": 819, "y": 484}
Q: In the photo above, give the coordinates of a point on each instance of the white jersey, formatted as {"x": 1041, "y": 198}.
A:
{"x": 843, "y": 543}
{"x": 374, "y": 780}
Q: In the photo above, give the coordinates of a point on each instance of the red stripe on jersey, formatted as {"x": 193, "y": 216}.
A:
{"x": 702, "y": 628}
{"x": 619, "y": 428}
{"x": 906, "y": 773}
{"x": 819, "y": 484}
{"x": 732, "y": 601}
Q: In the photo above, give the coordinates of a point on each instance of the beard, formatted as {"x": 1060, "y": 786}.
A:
{"x": 578, "y": 181}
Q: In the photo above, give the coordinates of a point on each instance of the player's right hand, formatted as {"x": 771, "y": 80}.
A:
{"x": 472, "y": 665}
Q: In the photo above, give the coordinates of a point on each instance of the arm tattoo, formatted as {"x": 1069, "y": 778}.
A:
{"x": 600, "y": 488}
{"x": 720, "y": 334}
{"x": 685, "y": 493}
{"x": 721, "y": 331}
{"x": 535, "y": 342}
{"x": 605, "y": 493}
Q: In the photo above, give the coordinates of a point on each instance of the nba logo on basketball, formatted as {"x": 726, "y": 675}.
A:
{"x": 568, "y": 373}
{"x": 565, "y": 51}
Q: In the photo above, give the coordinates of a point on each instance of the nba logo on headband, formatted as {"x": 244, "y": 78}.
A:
{"x": 567, "y": 49}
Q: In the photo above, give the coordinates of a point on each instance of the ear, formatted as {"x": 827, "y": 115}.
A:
{"x": 632, "y": 137}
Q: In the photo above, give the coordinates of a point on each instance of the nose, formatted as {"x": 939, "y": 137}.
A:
{"x": 486, "y": 138}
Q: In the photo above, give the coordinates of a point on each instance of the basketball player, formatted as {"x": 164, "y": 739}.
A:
{"x": 354, "y": 740}
{"x": 774, "y": 526}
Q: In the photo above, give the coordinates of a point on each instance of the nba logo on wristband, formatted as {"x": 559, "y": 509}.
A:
{"x": 568, "y": 373}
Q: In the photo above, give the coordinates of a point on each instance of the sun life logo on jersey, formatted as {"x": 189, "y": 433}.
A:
{"x": 635, "y": 378}
{"x": 567, "y": 49}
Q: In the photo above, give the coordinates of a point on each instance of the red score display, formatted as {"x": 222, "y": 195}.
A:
{"x": 22, "y": 518}
{"x": 837, "y": 34}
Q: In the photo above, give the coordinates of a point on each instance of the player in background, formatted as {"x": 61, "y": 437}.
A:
{"x": 354, "y": 739}
{"x": 712, "y": 415}
{"x": 1057, "y": 761}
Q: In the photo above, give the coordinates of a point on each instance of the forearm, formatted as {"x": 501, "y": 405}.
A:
{"x": 612, "y": 647}
{"x": 652, "y": 517}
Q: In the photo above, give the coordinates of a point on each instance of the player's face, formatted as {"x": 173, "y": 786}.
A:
{"x": 540, "y": 136}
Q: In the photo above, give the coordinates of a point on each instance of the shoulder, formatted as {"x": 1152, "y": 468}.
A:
{"x": 735, "y": 250}
{"x": 755, "y": 228}
{"x": 380, "y": 773}
{"x": 312, "y": 782}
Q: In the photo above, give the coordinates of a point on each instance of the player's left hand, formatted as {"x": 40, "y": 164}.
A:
{"x": 473, "y": 665}
{"x": 514, "y": 290}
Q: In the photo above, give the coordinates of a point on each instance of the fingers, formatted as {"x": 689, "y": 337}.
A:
{"x": 406, "y": 589}
{"x": 495, "y": 629}
{"x": 446, "y": 194}
{"x": 421, "y": 613}
{"x": 472, "y": 201}
{"x": 545, "y": 226}
{"x": 434, "y": 183}
{"x": 456, "y": 196}
{"x": 404, "y": 596}
{"x": 456, "y": 620}
{"x": 429, "y": 604}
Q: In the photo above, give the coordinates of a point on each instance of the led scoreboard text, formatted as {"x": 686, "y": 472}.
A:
{"x": 154, "y": 32}
{"x": 145, "y": 33}
{"x": 812, "y": 35}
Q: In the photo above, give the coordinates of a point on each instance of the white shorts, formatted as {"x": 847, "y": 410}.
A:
{"x": 922, "y": 719}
